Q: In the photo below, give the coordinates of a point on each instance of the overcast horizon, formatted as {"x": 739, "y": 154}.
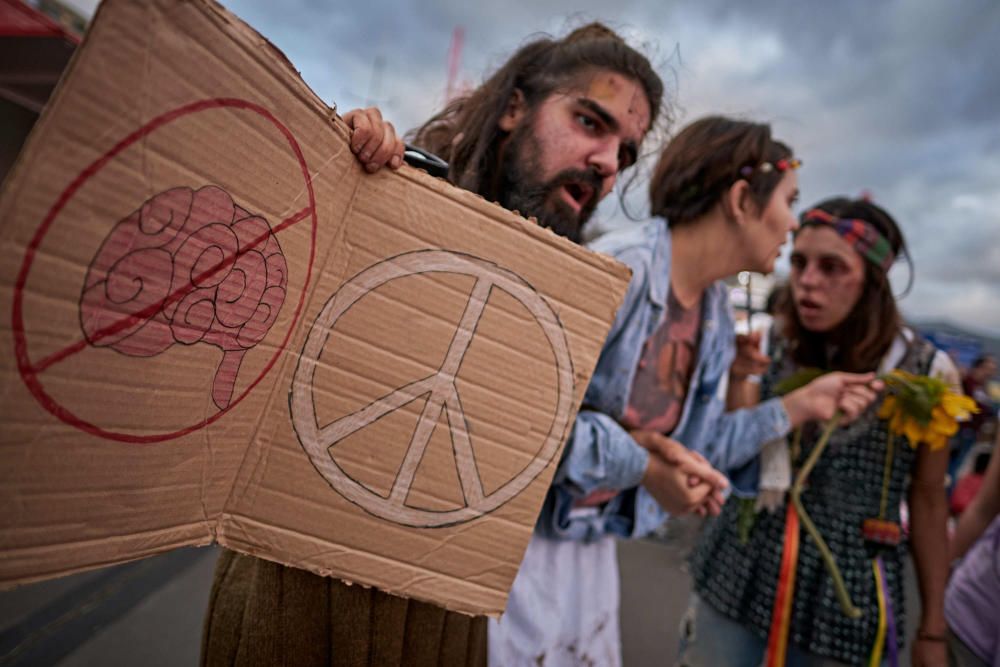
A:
{"x": 899, "y": 99}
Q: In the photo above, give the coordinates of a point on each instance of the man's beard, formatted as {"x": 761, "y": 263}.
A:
{"x": 521, "y": 190}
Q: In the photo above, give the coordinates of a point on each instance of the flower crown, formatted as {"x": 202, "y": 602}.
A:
{"x": 784, "y": 164}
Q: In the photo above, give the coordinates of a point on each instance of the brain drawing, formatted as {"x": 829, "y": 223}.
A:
{"x": 187, "y": 267}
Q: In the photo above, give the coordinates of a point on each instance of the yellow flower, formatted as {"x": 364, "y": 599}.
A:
{"x": 922, "y": 408}
{"x": 958, "y": 406}
{"x": 942, "y": 422}
{"x": 888, "y": 407}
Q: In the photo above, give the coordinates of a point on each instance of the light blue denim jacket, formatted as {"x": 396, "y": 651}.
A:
{"x": 600, "y": 454}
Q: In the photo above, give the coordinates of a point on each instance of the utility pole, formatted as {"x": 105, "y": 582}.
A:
{"x": 454, "y": 61}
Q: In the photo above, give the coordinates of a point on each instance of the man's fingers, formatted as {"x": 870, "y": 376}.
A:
{"x": 374, "y": 140}
{"x": 706, "y": 472}
{"x": 698, "y": 457}
{"x": 368, "y": 131}
{"x": 361, "y": 128}
{"x": 718, "y": 480}
{"x": 378, "y": 127}
{"x": 697, "y": 497}
{"x": 390, "y": 146}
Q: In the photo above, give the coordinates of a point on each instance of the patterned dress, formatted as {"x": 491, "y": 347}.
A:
{"x": 739, "y": 579}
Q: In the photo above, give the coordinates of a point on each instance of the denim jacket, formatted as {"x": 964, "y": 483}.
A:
{"x": 600, "y": 454}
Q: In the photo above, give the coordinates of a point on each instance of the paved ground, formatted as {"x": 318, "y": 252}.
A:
{"x": 144, "y": 613}
{"x": 149, "y": 612}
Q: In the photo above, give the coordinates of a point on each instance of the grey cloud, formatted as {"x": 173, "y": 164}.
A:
{"x": 899, "y": 97}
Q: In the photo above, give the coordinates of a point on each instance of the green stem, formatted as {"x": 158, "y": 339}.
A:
{"x": 843, "y": 597}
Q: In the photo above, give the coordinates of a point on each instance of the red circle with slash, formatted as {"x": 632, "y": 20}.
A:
{"x": 30, "y": 371}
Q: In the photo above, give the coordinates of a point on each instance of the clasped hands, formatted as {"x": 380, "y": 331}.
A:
{"x": 680, "y": 480}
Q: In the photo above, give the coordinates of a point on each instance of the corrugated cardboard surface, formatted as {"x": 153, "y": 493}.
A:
{"x": 218, "y": 327}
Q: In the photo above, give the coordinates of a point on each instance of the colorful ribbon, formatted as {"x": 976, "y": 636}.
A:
{"x": 886, "y": 634}
{"x": 876, "y": 657}
{"x": 781, "y": 612}
{"x": 861, "y": 234}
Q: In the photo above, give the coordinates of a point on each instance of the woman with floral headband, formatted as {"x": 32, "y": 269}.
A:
{"x": 722, "y": 193}
{"x": 832, "y": 593}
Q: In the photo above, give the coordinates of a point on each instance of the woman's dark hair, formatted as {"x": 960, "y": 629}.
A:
{"x": 699, "y": 165}
{"x": 467, "y": 133}
{"x": 780, "y": 294}
{"x": 982, "y": 360}
{"x": 862, "y": 339}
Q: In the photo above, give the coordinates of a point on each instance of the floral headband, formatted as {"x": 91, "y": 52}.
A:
{"x": 861, "y": 234}
{"x": 785, "y": 164}
{"x": 693, "y": 190}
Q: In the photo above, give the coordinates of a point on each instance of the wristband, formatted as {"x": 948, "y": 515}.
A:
{"x": 930, "y": 637}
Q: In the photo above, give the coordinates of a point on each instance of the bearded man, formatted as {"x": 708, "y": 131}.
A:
{"x": 546, "y": 135}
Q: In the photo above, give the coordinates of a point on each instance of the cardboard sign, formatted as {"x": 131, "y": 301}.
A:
{"x": 217, "y": 327}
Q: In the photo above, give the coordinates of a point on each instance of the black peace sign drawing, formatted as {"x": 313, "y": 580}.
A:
{"x": 443, "y": 393}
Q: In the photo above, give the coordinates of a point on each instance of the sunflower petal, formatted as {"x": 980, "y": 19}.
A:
{"x": 959, "y": 406}
{"x": 896, "y": 424}
{"x": 913, "y": 432}
{"x": 936, "y": 442}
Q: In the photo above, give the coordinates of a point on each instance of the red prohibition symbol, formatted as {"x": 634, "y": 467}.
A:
{"x": 218, "y": 277}
{"x": 440, "y": 387}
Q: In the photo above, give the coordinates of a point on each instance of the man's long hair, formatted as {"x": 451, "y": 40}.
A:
{"x": 466, "y": 133}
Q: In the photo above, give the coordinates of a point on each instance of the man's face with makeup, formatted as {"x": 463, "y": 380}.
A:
{"x": 564, "y": 155}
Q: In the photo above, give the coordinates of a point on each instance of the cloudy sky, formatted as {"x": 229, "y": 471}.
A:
{"x": 900, "y": 98}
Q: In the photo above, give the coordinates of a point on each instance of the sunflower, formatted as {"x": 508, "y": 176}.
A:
{"x": 923, "y": 408}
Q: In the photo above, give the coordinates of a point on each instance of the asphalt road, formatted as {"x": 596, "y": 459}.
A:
{"x": 149, "y": 612}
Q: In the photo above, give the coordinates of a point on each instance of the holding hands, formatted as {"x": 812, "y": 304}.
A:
{"x": 680, "y": 480}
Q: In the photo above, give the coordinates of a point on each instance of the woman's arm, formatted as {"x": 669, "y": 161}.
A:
{"x": 744, "y": 373}
{"x": 981, "y": 510}
{"x": 929, "y": 546}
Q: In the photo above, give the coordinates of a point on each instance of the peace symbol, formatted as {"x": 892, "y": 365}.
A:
{"x": 441, "y": 387}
